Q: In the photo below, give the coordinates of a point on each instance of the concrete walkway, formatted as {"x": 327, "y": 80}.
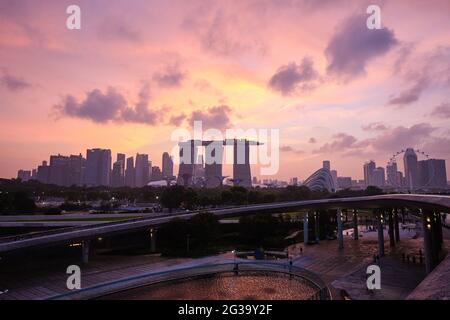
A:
{"x": 340, "y": 269}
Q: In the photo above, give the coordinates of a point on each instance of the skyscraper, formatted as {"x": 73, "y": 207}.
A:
{"x": 378, "y": 177}
{"x": 98, "y": 167}
{"x": 188, "y": 156}
{"x": 43, "y": 172}
{"x": 59, "y": 170}
{"x": 130, "y": 174}
{"x": 24, "y": 175}
{"x": 326, "y": 164}
{"x": 432, "y": 174}
{"x": 121, "y": 157}
{"x": 77, "y": 166}
{"x": 118, "y": 172}
{"x": 344, "y": 182}
{"x": 410, "y": 164}
{"x": 334, "y": 175}
{"x": 241, "y": 164}
{"x": 369, "y": 167}
{"x": 391, "y": 171}
{"x": 167, "y": 166}
{"x": 213, "y": 164}
{"x": 199, "y": 171}
{"x": 156, "y": 174}
{"x": 142, "y": 170}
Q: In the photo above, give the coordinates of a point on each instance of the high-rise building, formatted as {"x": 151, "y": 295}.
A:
{"x": 344, "y": 182}
{"x": 77, "y": 167}
{"x": 59, "y": 170}
{"x": 98, "y": 167}
{"x": 118, "y": 174}
{"x": 121, "y": 157}
{"x": 199, "y": 171}
{"x": 24, "y": 175}
{"x": 432, "y": 174}
{"x": 295, "y": 181}
{"x": 391, "y": 172}
{"x": 410, "y": 165}
{"x": 400, "y": 179}
{"x": 142, "y": 170}
{"x": 213, "y": 164}
{"x": 326, "y": 164}
{"x": 167, "y": 166}
{"x": 43, "y": 172}
{"x": 188, "y": 156}
{"x": 334, "y": 175}
{"x": 156, "y": 174}
{"x": 241, "y": 163}
{"x": 378, "y": 177}
{"x": 130, "y": 174}
{"x": 369, "y": 167}
{"x": 118, "y": 171}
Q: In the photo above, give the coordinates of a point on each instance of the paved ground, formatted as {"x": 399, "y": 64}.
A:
{"x": 341, "y": 269}
{"x": 46, "y": 282}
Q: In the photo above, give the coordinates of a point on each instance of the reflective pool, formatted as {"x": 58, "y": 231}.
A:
{"x": 249, "y": 285}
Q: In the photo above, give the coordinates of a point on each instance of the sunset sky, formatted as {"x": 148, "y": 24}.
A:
{"x": 137, "y": 70}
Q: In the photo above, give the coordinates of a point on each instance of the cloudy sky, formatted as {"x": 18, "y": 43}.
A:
{"x": 137, "y": 70}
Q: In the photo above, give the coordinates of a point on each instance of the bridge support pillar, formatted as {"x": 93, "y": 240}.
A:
{"x": 305, "y": 229}
{"x": 391, "y": 228}
{"x": 340, "y": 235}
{"x": 436, "y": 231}
{"x": 85, "y": 248}
{"x": 396, "y": 225}
{"x": 439, "y": 228}
{"x": 355, "y": 225}
{"x": 316, "y": 226}
{"x": 380, "y": 220}
{"x": 427, "y": 219}
{"x": 153, "y": 240}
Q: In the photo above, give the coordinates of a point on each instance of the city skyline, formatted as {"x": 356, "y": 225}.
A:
{"x": 128, "y": 78}
{"x": 98, "y": 169}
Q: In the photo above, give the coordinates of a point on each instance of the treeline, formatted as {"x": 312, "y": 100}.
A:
{"x": 17, "y": 196}
{"x": 203, "y": 234}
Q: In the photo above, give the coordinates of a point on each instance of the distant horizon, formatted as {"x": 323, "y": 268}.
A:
{"x": 228, "y": 168}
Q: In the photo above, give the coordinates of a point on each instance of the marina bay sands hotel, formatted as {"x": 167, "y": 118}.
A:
{"x": 213, "y": 155}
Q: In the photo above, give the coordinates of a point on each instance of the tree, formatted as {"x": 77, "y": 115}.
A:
{"x": 190, "y": 199}
{"x": 373, "y": 191}
{"x": 204, "y": 228}
{"x": 294, "y": 193}
{"x": 172, "y": 197}
{"x": 226, "y": 197}
{"x": 172, "y": 236}
{"x": 238, "y": 195}
{"x": 257, "y": 228}
{"x": 21, "y": 202}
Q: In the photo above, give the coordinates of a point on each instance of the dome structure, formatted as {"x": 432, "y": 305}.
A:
{"x": 320, "y": 180}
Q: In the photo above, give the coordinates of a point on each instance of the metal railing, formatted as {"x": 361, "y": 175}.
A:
{"x": 322, "y": 292}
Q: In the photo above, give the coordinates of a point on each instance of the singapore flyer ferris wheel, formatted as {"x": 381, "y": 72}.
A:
{"x": 421, "y": 175}
{"x": 398, "y": 153}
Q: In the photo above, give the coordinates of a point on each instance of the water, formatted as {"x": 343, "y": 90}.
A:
{"x": 227, "y": 286}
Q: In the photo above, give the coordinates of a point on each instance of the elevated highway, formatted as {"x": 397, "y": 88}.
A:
{"x": 434, "y": 203}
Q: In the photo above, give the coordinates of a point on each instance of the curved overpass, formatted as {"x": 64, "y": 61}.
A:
{"x": 67, "y": 235}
